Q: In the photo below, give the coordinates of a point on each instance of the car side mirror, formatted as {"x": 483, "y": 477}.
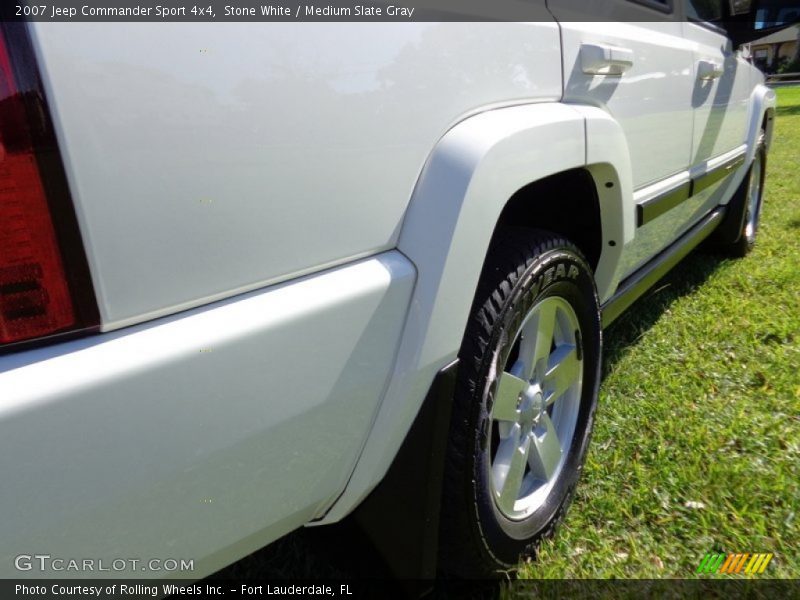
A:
{"x": 753, "y": 19}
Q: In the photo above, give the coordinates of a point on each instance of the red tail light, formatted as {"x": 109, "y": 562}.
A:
{"x": 43, "y": 272}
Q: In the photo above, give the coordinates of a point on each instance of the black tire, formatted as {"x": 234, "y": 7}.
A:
{"x": 523, "y": 269}
{"x": 736, "y": 236}
{"x": 758, "y": 169}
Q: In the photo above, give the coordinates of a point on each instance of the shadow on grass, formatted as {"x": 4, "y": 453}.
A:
{"x": 790, "y": 110}
{"x": 689, "y": 275}
{"x": 342, "y": 552}
{"x": 336, "y": 554}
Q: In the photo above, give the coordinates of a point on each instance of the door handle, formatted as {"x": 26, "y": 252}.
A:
{"x": 603, "y": 59}
{"x": 708, "y": 70}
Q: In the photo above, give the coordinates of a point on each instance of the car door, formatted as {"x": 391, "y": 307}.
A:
{"x": 720, "y": 101}
{"x": 646, "y": 86}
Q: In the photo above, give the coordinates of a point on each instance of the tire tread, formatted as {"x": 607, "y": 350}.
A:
{"x": 464, "y": 552}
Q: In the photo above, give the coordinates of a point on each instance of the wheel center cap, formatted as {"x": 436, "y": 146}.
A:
{"x": 532, "y": 406}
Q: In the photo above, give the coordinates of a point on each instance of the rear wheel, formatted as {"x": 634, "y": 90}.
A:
{"x": 524, "y": 405}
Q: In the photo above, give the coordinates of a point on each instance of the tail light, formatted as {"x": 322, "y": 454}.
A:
{"x": 45, "y": 287}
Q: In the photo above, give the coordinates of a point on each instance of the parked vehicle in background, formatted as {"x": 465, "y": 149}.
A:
{"x": 235, "y": 258}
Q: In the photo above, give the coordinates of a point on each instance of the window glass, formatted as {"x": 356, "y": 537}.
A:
{"x": 661, "y": 5}
{"x": 704, "y": 10}
{"x": 777, "y": 13}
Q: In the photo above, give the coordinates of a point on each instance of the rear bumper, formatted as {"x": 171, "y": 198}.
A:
{"x": 183, "y": 437}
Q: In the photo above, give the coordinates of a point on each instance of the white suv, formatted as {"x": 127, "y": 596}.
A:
{"x": 236, "y": 258}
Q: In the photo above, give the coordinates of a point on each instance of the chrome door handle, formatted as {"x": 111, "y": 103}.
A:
{"x": 708, "y": 70}
{"x": 603, "y": 59}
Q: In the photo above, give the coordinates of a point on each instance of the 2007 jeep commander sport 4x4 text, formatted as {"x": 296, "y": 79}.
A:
{"x": 244, "y": 267}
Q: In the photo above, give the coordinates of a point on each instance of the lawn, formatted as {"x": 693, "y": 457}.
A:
{"x": 696, "y": 446}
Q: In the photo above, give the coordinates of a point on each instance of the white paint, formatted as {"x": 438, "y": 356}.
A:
{"x": 469, "y": 177}
{"x": 210, "y": 159}
{"x": 190, "y": 435}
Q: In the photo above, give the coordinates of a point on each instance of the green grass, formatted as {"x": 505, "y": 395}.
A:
{"x": 696, "y": 445}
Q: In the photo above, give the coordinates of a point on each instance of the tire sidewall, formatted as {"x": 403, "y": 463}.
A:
{"x": 558, "y": 272}
{"x": 761, "y": 174}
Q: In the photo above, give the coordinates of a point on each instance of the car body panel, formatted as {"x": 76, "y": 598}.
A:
{"x": 649, "y": 101}
{"x": 720, "y": 104}
{"x": 182, "y": 437}
{"x": 466, "y": 182}
{"x": 210, "y": 159}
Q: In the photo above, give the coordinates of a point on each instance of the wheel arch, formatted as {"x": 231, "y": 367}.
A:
{"x": 762, "y": 118}
{"x": 575, "y": 216}
{"x": 763, "y": 102}
{"x": 484, "y": 171}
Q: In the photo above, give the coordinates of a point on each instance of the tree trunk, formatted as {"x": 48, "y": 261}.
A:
{"x": 796, "y": 57}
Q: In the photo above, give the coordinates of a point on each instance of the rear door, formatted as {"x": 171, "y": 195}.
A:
{"x": 640, "y": 72}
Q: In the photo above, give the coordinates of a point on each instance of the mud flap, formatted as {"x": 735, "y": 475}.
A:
{"x": 401, "y": 515}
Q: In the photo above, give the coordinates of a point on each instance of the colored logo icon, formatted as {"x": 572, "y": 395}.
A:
{"x": 735, "y": 563}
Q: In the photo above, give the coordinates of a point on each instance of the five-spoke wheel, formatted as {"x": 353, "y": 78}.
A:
{"x": 535, "y": 408}
{"x": 524, "y": 405}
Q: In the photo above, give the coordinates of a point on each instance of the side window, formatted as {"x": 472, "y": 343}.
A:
{"x": 704, "y": 10}
{"x": 660, "y": 5}
{"x": 775, "y": 15}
